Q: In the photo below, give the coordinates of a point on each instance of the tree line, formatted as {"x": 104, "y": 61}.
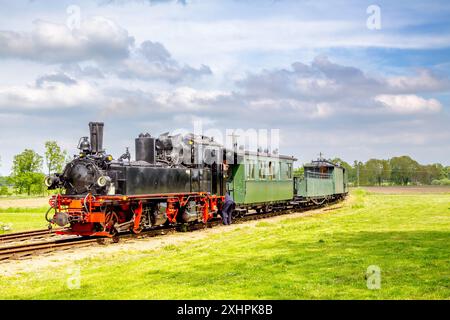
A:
{"x": 395, "y": 171}
{"x": 27, "y": 175}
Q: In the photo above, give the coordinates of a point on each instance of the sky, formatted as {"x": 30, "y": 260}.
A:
{"x": 349, "y": 79}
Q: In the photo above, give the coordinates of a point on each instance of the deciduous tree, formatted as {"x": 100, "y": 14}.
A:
{"x": 54, "y": 157}
{"x": 26, "y": 171}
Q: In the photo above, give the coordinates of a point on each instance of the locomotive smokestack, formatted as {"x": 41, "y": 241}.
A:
{"x": 145, "y": 148}
{"x": 96, "y": 131}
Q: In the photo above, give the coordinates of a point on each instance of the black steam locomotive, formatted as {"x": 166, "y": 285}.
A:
{"x": 175, "y": 179}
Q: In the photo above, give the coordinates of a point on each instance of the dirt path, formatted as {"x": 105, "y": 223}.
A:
{"x": 49, "y": 261}
{"x": 23, "y": 203}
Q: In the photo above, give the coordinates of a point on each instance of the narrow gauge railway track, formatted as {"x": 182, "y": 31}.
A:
{"x": 26, "y": 250}
{"x": 26, "y": 235}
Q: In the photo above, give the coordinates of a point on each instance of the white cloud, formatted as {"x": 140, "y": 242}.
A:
{"x": 323, "y": 89}
{"x": 186, "y": 99}
{"x": 424, "y": 80}
{"x": 409, "y": 104}
{"x": 97, "y": 38}
{"x": 302, "y": 109}
{"x": 271, "y": 34}
{"x": 152, "y": 61}
{"x": 101, "y": 42}
{"x": 50, "y": 96}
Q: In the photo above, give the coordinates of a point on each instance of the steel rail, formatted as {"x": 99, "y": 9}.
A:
{"x": 18, "y": 251}
{"x": 27, "y": 235}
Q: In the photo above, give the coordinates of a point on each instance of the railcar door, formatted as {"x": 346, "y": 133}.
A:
{"x": 217, "y": 180}
{"x": 295, "y": 181}
{"x": 229, "y": 177}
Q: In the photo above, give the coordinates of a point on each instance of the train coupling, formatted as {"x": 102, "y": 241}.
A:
{"x": 61, "y": 219}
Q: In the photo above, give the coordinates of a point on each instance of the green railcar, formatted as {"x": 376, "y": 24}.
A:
{"x": 262, "y": 179}
{"x": 321, "y": 179}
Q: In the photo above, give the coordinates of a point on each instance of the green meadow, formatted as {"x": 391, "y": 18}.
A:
{"x": 22, "y": 219}
{"x": 324, "y": 256}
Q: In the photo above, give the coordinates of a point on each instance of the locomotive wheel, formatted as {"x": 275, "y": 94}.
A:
{"x": 115, "y": 238}
{"x": 142, "y": 224}
{"x": 111, "y": 219}
{"x": 136, "y": 231}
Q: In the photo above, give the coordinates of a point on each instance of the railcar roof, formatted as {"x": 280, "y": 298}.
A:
{"x": 269, "y": 155}
{"x": 322, "y": 163}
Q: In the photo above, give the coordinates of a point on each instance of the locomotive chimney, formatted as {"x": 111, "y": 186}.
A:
{"x": 145, "y": 148}
{"x": 96, "y": 131}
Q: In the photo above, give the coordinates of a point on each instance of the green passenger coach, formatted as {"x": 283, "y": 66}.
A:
{"x": 260, "y": 180}
{"x": 321, "y": 179}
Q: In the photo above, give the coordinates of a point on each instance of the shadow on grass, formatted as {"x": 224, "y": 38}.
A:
{"x": 328, "y": 266}
{"x": 413, "y": 264}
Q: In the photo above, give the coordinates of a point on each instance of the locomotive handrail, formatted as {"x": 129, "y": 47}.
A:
{"x": 89, "y": 198}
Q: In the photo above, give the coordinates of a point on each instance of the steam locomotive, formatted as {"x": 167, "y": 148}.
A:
{"x": 177, "y": 180}
{"x": 174, "y": 179}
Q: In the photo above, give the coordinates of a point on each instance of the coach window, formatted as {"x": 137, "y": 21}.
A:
{"x": 275, "y": 171}
{"x": 261, "y": 170}
{"x": 281, "y": 171}
{"x": 253, "y": 169}
{"x": 289, "y": 170}
{"x": 250, "y": 173}
{"x": 248, "y": 168}
{"x": 270, "y": 173}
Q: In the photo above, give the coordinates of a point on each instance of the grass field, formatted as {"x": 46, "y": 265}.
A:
{"x": 325, "y": 256}
{"x": 22, "y": 219}
{"x": 22, "y": 213}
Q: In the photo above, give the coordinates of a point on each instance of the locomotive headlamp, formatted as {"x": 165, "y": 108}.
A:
{"x": 48, "y": 181}
{"x": 103, "y": 181}
{"x": 52, "y": 181}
